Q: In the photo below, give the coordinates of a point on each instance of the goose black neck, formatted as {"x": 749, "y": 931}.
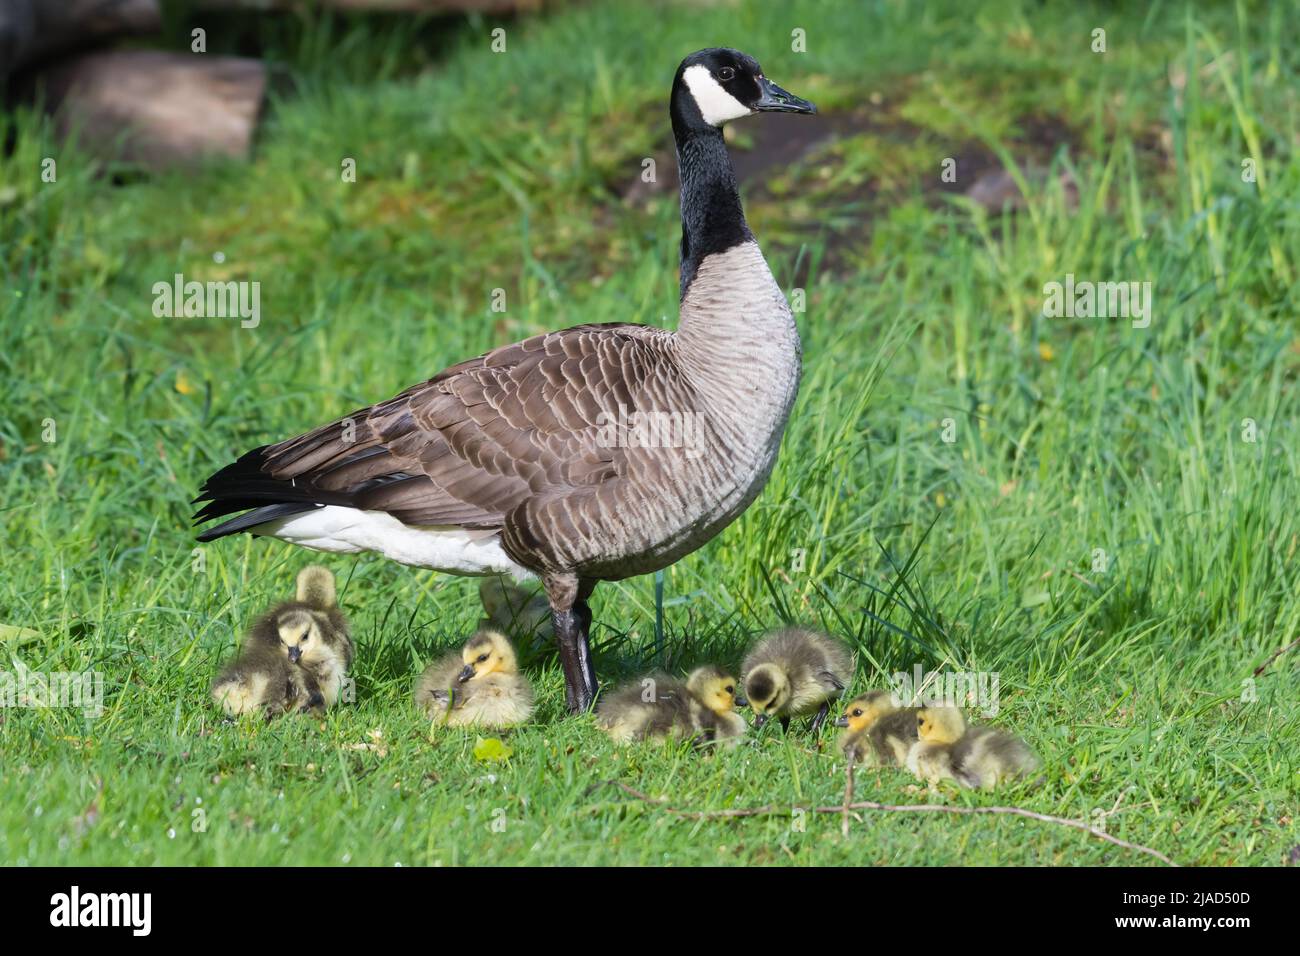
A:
{"x": 712, "y": 220}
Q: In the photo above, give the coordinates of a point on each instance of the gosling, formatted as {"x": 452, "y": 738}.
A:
{"x": 521, "y": 613}
{"x": 977, "y": 757}
{"x": 658, "y": 707}
{"x": 877, "y": 730}
{"x": 713, "y": 705}
{"x": 938, "y": 731}
{"x": 480, "y": 686}
{"x": 793, "y": 673}
{"x": 294, "y": 657}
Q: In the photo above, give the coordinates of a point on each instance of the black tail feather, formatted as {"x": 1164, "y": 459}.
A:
{"x": 242, "y": 485}
{"x": 244, "y": 471}
{"x": 251, "y": 519}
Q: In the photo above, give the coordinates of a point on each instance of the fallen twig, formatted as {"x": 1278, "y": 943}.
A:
{"x": 1275, "y": 655}
{"x": 1075, "y": 574}
{"x": 848, "y": 797}
{"x": 772, "y": 809}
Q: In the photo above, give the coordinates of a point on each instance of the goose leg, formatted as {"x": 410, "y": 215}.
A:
{"x": 583, "y": 613}
{"x": 575, "y": 657}
{"x": 572, "y": 623}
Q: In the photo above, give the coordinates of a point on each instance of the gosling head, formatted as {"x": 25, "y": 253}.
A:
{"x": 301, "y": 637}
{"x": 862, "y": 712}
{"x": 768, "y": 691}
{"x": 487, "y": 652}
{"x": 940, "y": 725}
{"x": 717, "y": 85}
{"x": 715, "y": 688}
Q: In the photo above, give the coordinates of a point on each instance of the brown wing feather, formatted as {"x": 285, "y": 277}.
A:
{"x": 477, "y": 440}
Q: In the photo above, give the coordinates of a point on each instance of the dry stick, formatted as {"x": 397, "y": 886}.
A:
{"x": 1275, "y": 655}
{"x": 848, "y": 797}
{"x": 1076, "y": 574}
{"x": 772, "y": 809}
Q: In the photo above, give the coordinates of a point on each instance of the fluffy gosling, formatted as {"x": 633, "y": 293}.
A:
{"x": 892, "y": 737}
{"x": 714, "y": 701}
{"x": 479, "y": 686}
{"x": 877, "y": 730}
{"x": 938, "y": 730}
{"x": 522, "y": 613}
{"x": 794, "y": 672}
{"x": 978, "y": 757}
{"x": 294, "y": 657}
{"x": 986, "y": 757}
{"x": 654, "y": 707}
{"x": 658, "y": 707}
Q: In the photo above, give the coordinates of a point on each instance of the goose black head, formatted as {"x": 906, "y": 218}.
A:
{"x": 717, "y": 85}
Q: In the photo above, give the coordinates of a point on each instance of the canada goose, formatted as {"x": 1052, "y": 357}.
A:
{"x": 294, "y": 656}
{"x": 519, "y": 612}
{"x": 658, "y": 707}
{"x": 479, "y": 686}
{"x": 590, "y": 454}
{"x": 974, "y": 756}
{"x": 793, "y": 672}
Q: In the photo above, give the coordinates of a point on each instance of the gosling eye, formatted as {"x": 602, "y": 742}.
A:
{"x": 726, "y": 73}
{"x": 857, "y": 713}
{"x": 481, "y": 658}
{"x": 729, "y": 689}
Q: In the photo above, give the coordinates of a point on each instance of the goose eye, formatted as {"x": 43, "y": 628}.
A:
{"x": 857, "y": 713}
{"x": 481, "y": 658}
{"x": 726, "y": 73}
{"x": 729, "y": 689}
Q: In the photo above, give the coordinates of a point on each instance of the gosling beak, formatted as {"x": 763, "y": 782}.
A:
{"x": 776, "y": 100}
{"x": 465, "y": 674}
{"x": 295, "y": 654}
{"x": 759, "y": 720}
{"x": 740, "y": 701}
{"x": 841, "y": 721}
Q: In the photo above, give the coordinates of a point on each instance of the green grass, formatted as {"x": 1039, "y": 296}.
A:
{"x": 479, "y": 171}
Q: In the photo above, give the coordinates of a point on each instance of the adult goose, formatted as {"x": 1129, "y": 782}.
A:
{"x": 589, "y": 454}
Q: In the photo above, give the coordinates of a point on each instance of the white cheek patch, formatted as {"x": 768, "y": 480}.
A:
{"x": 716, "y": 104}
